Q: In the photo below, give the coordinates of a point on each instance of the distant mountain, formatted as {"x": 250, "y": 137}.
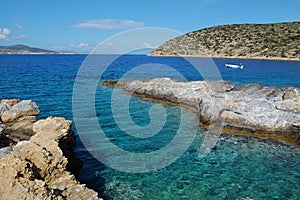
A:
{"x": 23, "y": 49}
{"x": 266, "y": 41}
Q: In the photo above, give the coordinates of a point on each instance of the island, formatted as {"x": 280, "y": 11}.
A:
{"x": 252, "y": 110}
{"x": 279, "y": 41}
{"x": 23, "y": 49}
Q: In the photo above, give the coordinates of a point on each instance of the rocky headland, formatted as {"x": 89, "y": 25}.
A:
{"x": 37, "y": 158}
{"x": 249, "y": 110}
{"x": 278, "y": 41}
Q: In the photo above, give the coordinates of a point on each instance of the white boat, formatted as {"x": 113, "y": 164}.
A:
{"x": 240, "y": 66}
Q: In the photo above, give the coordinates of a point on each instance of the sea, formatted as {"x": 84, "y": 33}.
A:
{"x": 238, "y": 167}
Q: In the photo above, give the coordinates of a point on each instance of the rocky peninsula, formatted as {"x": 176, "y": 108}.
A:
{"x": 37, "y": 160}
{"x": 278, "y": 41}
{"x": 253, "y": 110}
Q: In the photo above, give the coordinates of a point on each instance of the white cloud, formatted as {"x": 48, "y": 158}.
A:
{"x": 148, "y": 45}
{"x": 19, "y": 36}
{"x": 81, "y": 45}
{"x": 4, "y": 33}
{"x": 109, "y": 24}
{"x": 2, "y": 37}
{"x": 19, "y": 26}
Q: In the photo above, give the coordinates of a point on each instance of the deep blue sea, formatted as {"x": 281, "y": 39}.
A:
{"x": 236, "y": 168}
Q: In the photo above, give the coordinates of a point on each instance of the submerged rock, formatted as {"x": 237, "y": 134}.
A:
{"x": 118, "y": 190}
{"x": 252, "y": 110}
{"x": 37, "y": 169}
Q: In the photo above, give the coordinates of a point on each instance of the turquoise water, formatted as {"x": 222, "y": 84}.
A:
{"x": 237, "y": 167}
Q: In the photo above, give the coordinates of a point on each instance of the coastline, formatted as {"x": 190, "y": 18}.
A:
{"x": 175, "y": 56}
{"x": 284, "y": 136}
{"x": 229, "y": 57}
{"x": 37, "y": 158}
{"x": 70, "y": 53}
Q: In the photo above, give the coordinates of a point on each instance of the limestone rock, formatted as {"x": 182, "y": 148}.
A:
{"x": 10, "y": 102}
{"x": 220, "y": 86}
{"x": 20, "y": 129}
{"x": 290, "y": 93}
{"x": 18, "y": 117}
{"x": 4, "y": 108}
{"x": 249, "y": 88}
{"x": 250, "y": 109}
{"x": 23, "y": 108}
{"x": 289, "y": 105}
{"x": 37, "y": 169}
{"x": 4, "y": 151}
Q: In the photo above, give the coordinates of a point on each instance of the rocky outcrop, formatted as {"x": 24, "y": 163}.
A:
{"x": 17, "y": 118}
{"x": 21, "y": 109}
{"x": 37, "y": 169}
{"x": 266, "y": 112}
{"x": 37, "y": 158}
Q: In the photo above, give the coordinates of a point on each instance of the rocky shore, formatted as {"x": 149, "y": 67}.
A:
{"x": 36, "y": 157}
{"x": 249, "y": 110}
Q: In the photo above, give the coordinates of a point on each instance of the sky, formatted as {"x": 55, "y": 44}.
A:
{"x": 80, "y": 25}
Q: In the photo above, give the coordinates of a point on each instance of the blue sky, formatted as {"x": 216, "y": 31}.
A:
{"x": 79, "y": 25}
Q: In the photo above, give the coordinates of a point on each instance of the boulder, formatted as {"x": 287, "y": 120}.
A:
{"x": 23, "y": 108}
{"x": 21, "y": 128}
{"x": 10, "y": 102}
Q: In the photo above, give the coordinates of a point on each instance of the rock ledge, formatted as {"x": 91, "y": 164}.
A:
{"x": 250, "y": 110}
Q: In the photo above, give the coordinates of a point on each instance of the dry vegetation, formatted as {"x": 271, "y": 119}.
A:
{"x": 280, "y": 40}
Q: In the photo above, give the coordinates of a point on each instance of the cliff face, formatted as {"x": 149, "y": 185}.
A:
{"x": 37, "y": 157}
{"x": 266, "y": 41}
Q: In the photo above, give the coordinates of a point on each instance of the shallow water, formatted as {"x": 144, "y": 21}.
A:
{"x": 237, "y": 167}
